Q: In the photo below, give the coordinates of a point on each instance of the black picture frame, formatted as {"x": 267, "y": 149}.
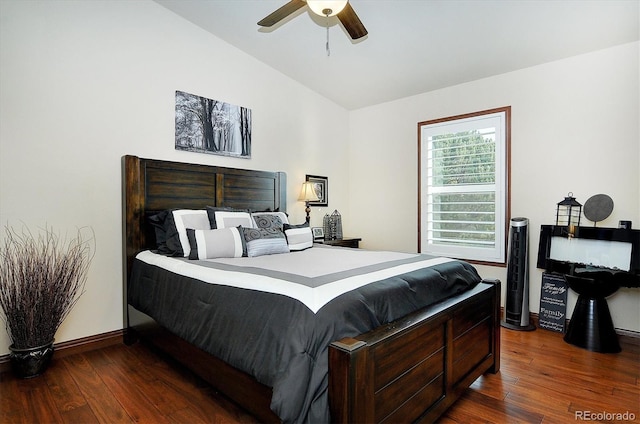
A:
{"x": 321, "y": 187}
{"x": 318, "y": 232}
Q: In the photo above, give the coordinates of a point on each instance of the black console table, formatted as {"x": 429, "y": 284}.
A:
{"x": 591, "y": 326}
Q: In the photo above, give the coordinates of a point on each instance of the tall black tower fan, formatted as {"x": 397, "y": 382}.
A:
{"x": 516, "y": 311}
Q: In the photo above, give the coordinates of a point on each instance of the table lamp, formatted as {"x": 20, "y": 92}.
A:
{"x": 308, "y": 194}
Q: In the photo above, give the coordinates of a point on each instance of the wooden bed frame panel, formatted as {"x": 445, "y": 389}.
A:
{"x": 410, "y": 370}
{"x": 413, "y": 369}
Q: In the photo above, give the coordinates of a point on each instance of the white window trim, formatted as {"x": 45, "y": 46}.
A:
{"x": 497, "y": 254}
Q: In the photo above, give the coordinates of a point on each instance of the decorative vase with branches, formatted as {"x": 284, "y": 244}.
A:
{"x": 42, "y": 276}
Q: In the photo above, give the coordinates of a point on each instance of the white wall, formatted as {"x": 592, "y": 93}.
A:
{"x": 84, "y": 82}
{"x": 575, "y": 128}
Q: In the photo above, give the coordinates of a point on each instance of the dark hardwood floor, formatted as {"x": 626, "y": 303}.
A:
{"x": 542, "y": 380}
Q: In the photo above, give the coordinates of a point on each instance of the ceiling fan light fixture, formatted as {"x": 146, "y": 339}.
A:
{"x": 326, "y": 7}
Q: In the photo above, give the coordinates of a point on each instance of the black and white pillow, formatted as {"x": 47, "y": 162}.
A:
{"x": 264, "y": 241}
{"x": 228, "y": 218}
{"x": 284, "y": 218}
{"x": 171, "y": 229}
{"x": 217, "y": 243}
{"x": 299, "y": 237}
{"x": 268, "y": 221}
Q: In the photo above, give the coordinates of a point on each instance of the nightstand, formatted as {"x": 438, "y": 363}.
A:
{"x": 344, "y": 242}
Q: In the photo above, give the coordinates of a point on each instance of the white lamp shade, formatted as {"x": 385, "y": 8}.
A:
{"x": 308, "y": 193}
{"x": 320, "y": 6}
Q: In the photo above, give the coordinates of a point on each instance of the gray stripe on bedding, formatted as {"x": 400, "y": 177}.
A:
{"x": 312, "y": 282}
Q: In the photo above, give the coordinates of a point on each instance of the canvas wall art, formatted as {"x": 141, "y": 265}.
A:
{"x": 212, "y": 126}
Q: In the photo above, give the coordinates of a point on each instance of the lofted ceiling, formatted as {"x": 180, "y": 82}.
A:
{"x": 414, "y": 46}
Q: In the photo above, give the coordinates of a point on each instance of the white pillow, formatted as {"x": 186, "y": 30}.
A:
{"x": 227, "y": 219}
{"x": 299, "y": 237}
{"x": 189, "y": 218}
{"x": 218, "y": 243}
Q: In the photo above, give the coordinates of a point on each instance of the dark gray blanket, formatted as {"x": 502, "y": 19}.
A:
{"x": 278, "y": 339}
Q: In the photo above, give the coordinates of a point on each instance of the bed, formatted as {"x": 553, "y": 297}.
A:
{"x": 386, "y": 362}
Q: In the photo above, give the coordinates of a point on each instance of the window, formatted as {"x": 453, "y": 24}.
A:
{"x": 463, "y": 186}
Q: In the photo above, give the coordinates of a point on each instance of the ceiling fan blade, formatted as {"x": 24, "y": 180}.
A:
{"x": 282, "y": 13}
{"x": 352, "y": 23}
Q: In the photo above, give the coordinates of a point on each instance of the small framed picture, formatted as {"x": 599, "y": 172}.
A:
{"x": 320, "y": 185}
{"x": 318, "y": 232}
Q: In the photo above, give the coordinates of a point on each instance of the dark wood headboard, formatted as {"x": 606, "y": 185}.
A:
{"x": 150, "y": 186}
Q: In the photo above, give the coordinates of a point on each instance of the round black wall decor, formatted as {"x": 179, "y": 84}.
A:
{"x": 598, "y": 207}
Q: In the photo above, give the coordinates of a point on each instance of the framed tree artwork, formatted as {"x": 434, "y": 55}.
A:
{"x": 212, "y": 126}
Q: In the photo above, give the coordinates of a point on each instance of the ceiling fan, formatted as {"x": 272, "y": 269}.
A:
{"x": 340, "y": 8}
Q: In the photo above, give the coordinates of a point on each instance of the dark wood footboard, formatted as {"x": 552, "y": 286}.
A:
{"x": 415, "y": 368}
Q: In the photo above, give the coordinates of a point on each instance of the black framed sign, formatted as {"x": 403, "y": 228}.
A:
{"x": 553, "y": 302}
{"x": 320, "y": 185}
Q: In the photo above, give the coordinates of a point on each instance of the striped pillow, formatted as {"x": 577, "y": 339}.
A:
{"x": 299, "y": 237}
{"x": 264, "y": 241}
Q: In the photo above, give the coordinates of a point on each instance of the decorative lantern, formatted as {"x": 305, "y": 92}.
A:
{"x": 326, "y": 223}
{"x": 568, "y": 213}
{"x": 333, "y": 226}
{"x": 337, "y": 225}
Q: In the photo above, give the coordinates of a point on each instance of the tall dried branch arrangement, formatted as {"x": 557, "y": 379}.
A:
{"x": 41, "y": 279}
